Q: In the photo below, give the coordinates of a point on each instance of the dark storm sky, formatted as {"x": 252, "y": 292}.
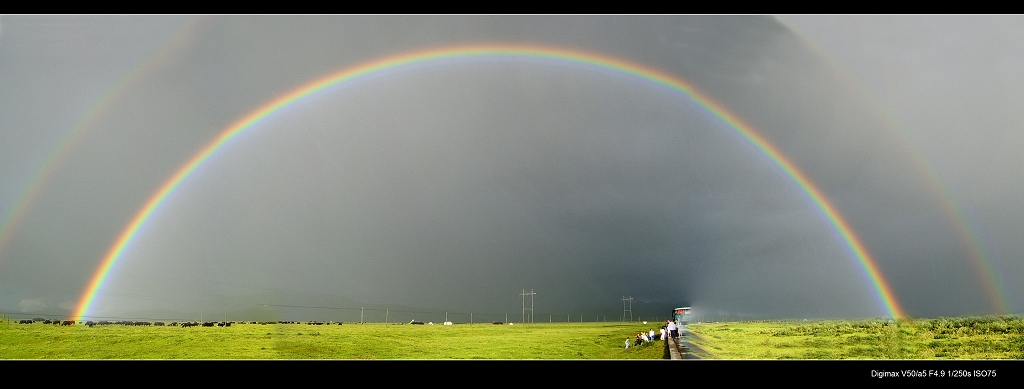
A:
{"x": 453, "y": 188}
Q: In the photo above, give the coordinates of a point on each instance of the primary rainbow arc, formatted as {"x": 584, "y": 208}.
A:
{"x": 115, "y": 252}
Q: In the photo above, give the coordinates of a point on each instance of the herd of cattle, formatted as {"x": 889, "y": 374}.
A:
{"x": 160, "y": 323}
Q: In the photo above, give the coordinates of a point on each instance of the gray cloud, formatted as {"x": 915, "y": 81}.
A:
{"x": 32, "y": 305}
{"x": 452, "y": 188}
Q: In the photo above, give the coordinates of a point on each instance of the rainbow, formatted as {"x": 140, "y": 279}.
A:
{"x": 71, "y": 137}
{"x": 976, "y": 255}
{"x": 436, "y": 55}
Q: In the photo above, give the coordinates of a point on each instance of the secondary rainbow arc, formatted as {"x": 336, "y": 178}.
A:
{"x": 73, "y": 135}
{"x": 857, "y": 248}
{"x": 976, "y": 254}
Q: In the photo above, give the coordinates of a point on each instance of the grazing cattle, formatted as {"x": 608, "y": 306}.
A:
{"x": 26, "y": 321}
{"x": 416, "y": 322}
{"x": 67, "y": 323}
{"x": 208, "y": 324}
{"x": 90, "y": 323}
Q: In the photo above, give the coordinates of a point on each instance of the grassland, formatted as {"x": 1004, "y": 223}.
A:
{"x": 348, "y": 341}
{"x": 943, "y": 338}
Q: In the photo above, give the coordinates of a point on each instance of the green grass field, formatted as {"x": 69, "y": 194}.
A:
{"x": 943, "y": 338}
{"x": 348, "y": 341}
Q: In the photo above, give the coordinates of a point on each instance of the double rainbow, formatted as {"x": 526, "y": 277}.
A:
{"x": 976, "y": 255}
{"x": 493, "y": 51}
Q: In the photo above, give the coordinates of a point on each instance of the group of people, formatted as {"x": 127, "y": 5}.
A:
{"x": 670, "y": 328}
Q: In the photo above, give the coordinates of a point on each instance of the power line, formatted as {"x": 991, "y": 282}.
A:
{"x": 531, "y": 294}
{"x": 630, "y": 310}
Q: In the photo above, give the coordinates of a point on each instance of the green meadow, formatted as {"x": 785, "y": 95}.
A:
{"x": 944, "y": 338}
{"x": 348, "y": 341}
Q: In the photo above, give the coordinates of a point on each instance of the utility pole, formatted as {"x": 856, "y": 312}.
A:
{"x": 360, "y": 315}
{"x": 630, "y": 310}
{"x": 531, "y": 294}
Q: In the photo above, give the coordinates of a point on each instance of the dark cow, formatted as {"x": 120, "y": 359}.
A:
{"x": 90, "y": 323}
{"x": 67, "y": 323}
{"x": 26, "y": 321}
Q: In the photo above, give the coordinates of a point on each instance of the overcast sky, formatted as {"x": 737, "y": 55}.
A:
{"x": 452, "y": 188}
